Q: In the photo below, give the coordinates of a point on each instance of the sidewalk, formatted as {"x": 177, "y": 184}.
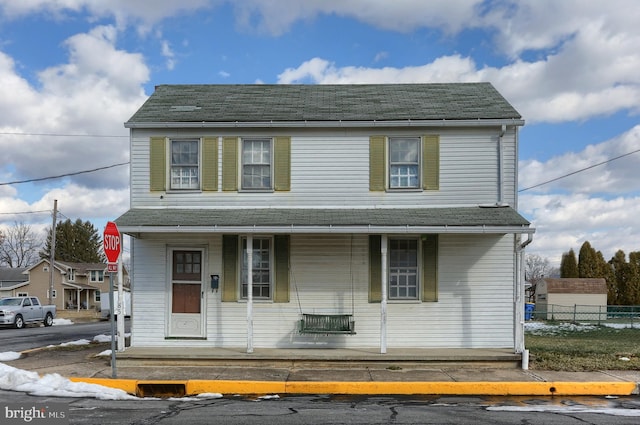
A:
{"x": 82, "y": 365}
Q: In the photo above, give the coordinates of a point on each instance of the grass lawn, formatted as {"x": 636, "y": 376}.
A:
{"x": 571, "y": 347}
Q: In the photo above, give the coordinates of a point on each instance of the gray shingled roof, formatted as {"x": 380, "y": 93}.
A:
{"x": 292, "y": 103}
{"x": 272, "y": 217}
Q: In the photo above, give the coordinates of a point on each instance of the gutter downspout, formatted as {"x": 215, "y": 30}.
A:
{"x": 503, "y": 130}
{"x": 519, "y": 302}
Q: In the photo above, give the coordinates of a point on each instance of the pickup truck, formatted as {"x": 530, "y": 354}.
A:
{"x": 18, "y": 311}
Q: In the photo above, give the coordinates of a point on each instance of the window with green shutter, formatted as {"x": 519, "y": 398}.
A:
{"x": 183, "y": 164}
{"x": 407, "y": 162}
{"x": 270, "y": 268}
{"x": 404, "y": 279}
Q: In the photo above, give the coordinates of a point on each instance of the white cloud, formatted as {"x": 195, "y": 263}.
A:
{"x": 564, "y": 222}
{"x": 94, "y": 93}
{"x": 613, "y": 177}
{"x": 600, "y": 205}
{"x": 167, "y": 52}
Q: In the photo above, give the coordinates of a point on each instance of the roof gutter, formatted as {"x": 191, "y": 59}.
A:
{"x": 352, "y": 229}
{"x": 330, "y": 124}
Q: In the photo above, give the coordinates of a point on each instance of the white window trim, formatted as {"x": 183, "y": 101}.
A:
{"x": 22, "y": 294}
{"x": 241, "y": 187}
{"x": 387, "y": 147}
{"x": 97, "y": 272}
{"x": 55, "y": 294}
{"x": 271, "y": 269}
{"x": 169, "y": 164}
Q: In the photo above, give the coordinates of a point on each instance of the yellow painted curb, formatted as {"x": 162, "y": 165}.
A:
{"x": 236, "y": 387}
{"x": 194, "y": 387}
{"x": 464, "y": 388}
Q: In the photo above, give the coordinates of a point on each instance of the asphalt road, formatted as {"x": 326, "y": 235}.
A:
{"x": 34, "y": 336}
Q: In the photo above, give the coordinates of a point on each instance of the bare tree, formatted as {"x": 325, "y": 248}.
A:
{"x": 536, "y": 268}
{"x": 19, "y": 246}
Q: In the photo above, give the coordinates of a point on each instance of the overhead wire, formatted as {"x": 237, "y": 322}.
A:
{"x": 579, "y": 171}
{"x": 75, "y": 173}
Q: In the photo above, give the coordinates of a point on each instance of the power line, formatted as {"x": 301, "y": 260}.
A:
{"x": 64, "y": 175}
{"x": 26, "y": 212}
{"x": 5, "y": 133}
{"x": 579, "y": 171}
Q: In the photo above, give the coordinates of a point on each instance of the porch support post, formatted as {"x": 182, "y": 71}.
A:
{"x": 249, "y": 294}
{"x": 77, "y": 299}
{"x": 383, "y": 302}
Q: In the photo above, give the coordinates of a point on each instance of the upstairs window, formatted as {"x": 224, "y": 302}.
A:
{"x": 256, "y": 164}
{"x": 404, "y": 163}
{"x": 185, "y": 164}
{"x": 96, "y": 276}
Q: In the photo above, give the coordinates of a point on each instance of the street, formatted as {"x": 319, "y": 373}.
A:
{"x": 34, "y": 336}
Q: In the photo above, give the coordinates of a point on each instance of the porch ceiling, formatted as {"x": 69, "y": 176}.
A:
{"x": 497, "y": 220}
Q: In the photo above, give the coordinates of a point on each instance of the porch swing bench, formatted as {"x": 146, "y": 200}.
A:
{"x": 327, "y": 324}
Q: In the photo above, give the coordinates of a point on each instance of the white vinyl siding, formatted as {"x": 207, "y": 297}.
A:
{"x": 474, "y": 308}
{"x": 333, "y": 170}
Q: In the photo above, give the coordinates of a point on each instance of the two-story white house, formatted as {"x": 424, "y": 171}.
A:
{"x": 378, "y": 216}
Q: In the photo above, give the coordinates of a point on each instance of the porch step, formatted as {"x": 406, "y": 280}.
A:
{"x": 319, "y": 358}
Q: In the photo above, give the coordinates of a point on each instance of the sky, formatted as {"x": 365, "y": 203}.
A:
{"x": 73, "y": 71}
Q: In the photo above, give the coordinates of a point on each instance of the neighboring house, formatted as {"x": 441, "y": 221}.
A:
{"x": 12, "y": 282}
{"x": 390, "y": 206}
{"x": 571, "y": 299}
{"x": 76, "y": 286}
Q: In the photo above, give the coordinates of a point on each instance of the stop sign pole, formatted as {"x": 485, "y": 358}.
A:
{"x": 112, "y": 244}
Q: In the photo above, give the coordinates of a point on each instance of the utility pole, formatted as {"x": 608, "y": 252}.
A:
{"x": 52, "y": 251}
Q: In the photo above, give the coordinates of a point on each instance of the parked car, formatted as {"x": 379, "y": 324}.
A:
{"x": 19, "y": 311}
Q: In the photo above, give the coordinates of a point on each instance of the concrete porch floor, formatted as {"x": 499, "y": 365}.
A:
{"x": 318, "y": 357}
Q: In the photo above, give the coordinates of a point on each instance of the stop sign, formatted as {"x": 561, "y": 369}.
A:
{"x": 111, "y": 242}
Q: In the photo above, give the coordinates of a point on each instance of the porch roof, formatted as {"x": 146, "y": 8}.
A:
{"x": 478, "y": 219}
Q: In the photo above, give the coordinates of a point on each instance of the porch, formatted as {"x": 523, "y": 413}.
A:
{"x": 318, "y": 358}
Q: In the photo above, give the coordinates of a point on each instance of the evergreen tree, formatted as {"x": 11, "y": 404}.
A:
{"x": 569, "y": 265}
{"x": 606, "y": 272}
{"x": 634, "y": 264}
{"x": 77, "y": 242}
{"x": 624, "y": 274}
{"x": 588, "y": 262}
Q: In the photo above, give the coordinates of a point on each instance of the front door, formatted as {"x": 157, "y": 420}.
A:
{"x": 186, "y": 293}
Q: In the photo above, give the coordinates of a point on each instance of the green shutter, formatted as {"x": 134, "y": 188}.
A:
{"x": 431, "y": 162}
{"x": 157, "y": 164}
{"x": 377, "y": 163}
{"x": 282, "y": 163}
{"x": 375, "y": 269}
{"x": 229, "y": 163}
{"x": 281, "y": 254}
{"x": 229, "y": 267}
{"x": 430, "y": 268}
{"x": 210, "y": 163}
